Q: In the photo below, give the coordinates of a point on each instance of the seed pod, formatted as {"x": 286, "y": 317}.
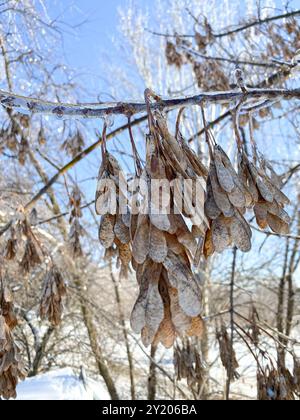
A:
{"x": 106, "y": 230}
{"x": 121, "y": 230}
{"x": 277, "y": 225}
{"x": 224, "y": 175}
{"x": 220, "y": 196}
{"x": 240, "y": 235}
{"x": 140, "y": 246}
{"x": 220, "y": 234}
{"x": 212, "y": 211}
{"x": 181, "y": 278}
{"x": 158, "y": 249}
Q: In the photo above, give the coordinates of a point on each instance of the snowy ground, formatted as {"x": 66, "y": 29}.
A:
{"x": 60, "y": 385}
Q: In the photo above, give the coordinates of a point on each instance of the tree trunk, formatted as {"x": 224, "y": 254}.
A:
{"x": 152, "y": 380}
{"x": 40, "y": 353}
{"x": 125, "y": 335}
{"x": 93, "y": 338}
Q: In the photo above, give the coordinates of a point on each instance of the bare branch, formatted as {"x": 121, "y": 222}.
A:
{"x": 240, "y": 28}
{"x": 100, "y": 110}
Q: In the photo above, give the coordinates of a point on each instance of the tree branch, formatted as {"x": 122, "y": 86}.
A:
{"x": 100, "y": 110}
{"x": 69, "y": 165}
{"x": 240, "y": 28}
{"x": 257, "y": 22}
{"x": 229, "y": 60}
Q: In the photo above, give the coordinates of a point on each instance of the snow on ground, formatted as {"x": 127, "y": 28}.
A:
{"x": 61, "y": 385}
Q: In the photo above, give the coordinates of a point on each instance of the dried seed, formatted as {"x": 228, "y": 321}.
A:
{"x": 224, "y": 176}
{"x": 262, "y": 185}
{"x": 196, "y": 328}
{"x": 244, "y": 222}
{"x": 187, "y": 240}
{"x": 106, "y": 230}
{"x": 281, "y": 197}
{"x": 220, "y": 196}
{"x": 154, "y": 312}
{"x": 160, "y": 221}
{"x": 240, "y": 235}
{"x": 181, "y": 321}
{"x": 212, "y": 211}
{"x": 237, "y": 198}
{"x": 138, "y": 316}
{"x": 261, "y": 212}
{"x": 158, "y": 245}
{"x": 166, "y": 333}
{"x": 181, "y": 277}
{"x": 140, "y": 246}
{"x": 220, "y": 235}
{"x": 208, "y": 247}
{"x": 277, "y": 225}
{"x": 121, "y": 230}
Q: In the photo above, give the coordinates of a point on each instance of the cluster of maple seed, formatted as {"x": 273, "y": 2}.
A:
{"x": 163, "y": 248}
{"x": 11, "y": 367}
{"x": 54, "y": 288}
{"x": 230, "y": 194}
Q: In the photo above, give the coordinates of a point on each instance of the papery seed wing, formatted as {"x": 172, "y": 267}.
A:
{"x": 224, "y": 176}
{"x": 158, "y": 245}
{"x": 240, "y": 235}
{"x": 188, "y": 289}
{"x": 103, "y": 199}
{"x": 195, "y": 162}
{"x": 138, "y": 315}
{"x": 181, "y": 321}
{"x": 244, "y": 222}
{"x": 106, "y": 230}
{"x": 252, "y": 186}
{"x": 261, "y": 183}
{"x": 277, "y": 225}
{"x": 197, "y": 327}
{"x": 261, "y": 212}
{"x": 121, "y": 230}
{"x": 212, "y": 211}
{"x": 166, "y": 333}
{"x": 220, "y": 235}
{"x": 126, "y": 218}
{"x": 173, "y": 224}
{"x": 113, "y": 165}
{"x": 284, "y": 216}
{"x": 171, "y": 142}
{"x": 2, "y": 333}
{"x": 237, "y": 198}
{"x": 198, "y": 231}
{"x": 187, "y": 240}
{"x": 173, "y": 244}
{"x": 281, "y": 197}
{"x": 125, "y": 258}
{"x": 160, "y": 221}
{"x": 141, "y": 242}
{"x": 133, "y": 225}
{"x": 154, "y": 311}
{"x": 208, "y": 246}
{"x": 220, "y": 196}
{"x": 198, "y": 255}
{"x": 264, "y": 190}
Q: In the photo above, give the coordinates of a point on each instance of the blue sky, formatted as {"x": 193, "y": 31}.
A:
{"x": 86, "y": 43}
{"x": 87, "y": 46}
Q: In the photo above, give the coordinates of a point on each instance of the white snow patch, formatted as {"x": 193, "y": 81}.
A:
{"x": 60, "y": 385}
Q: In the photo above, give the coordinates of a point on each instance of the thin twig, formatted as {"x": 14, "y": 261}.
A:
{"x": 229, "y": 375}
{"x": 232, "y": 31}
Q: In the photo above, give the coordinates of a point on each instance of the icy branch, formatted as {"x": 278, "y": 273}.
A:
{"x": 100, "y": 110}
